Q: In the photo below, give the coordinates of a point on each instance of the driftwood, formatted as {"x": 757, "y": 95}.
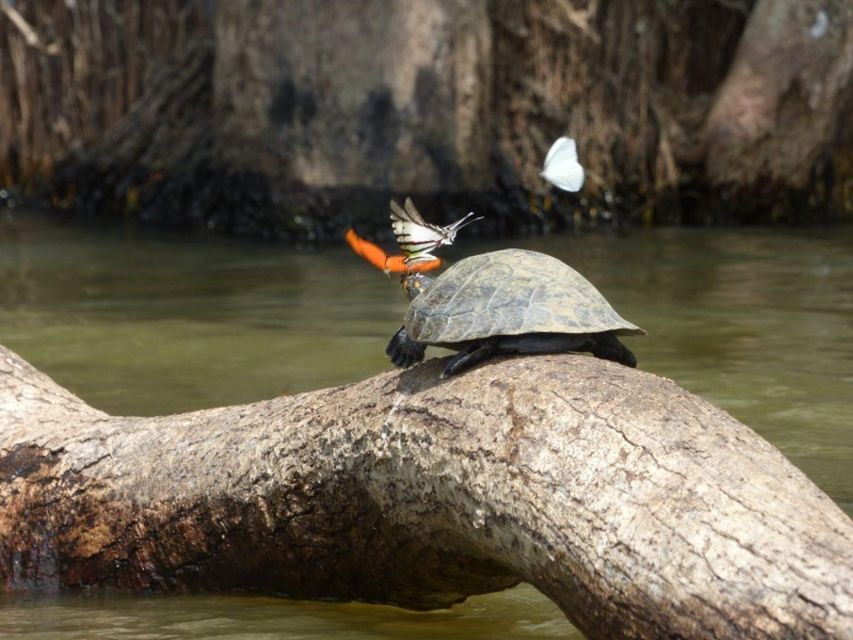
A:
{"x": 640, "y": 509}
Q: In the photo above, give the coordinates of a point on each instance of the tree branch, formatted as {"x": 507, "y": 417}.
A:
{"x": 640, "y": 509}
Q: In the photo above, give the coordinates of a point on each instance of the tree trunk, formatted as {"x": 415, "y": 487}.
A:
{"x": 640, "y": 509}
{"x": 379, "y": 94}
{"x": 785, "y": 101}
{"x": 292, "y": 119}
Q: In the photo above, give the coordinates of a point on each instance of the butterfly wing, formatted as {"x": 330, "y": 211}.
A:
{"x": 561, "y": 143}
{"x": 389, "y": 264}
{"x": 367, "y": 250}
{"x": 416, "y": 237}
{"x": 562, "y": 168}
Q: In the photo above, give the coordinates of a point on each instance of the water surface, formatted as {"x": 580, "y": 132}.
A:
{"x": 758, "y": 321}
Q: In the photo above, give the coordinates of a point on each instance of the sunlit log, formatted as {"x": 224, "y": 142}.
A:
{"x": 640, "y": 509}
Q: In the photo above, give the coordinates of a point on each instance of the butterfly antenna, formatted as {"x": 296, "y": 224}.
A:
{"x": 456, "y": 226}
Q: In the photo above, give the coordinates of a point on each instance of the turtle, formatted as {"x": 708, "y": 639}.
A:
{"x": 508, "y": 301}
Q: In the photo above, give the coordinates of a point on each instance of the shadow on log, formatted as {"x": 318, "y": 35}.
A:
{"x": 640, "y": 509}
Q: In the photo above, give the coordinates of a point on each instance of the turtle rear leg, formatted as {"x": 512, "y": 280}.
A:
{"x": 471, "y": 355}
{"x": 404, "y": 350}
{"x": 608, "y": 347}
{"x": 531, "y": 343}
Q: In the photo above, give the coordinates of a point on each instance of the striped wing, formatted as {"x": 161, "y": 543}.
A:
{"x": 416, "y": 237}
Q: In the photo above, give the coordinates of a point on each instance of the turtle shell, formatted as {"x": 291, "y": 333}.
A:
{"x": 510, "y": 292}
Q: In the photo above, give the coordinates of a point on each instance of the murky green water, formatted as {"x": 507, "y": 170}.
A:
{"x": 758, "y": 321}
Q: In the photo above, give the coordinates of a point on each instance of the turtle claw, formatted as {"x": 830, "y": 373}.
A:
{"x": 403, "y": 350}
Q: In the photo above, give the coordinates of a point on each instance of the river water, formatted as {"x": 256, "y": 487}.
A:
{"x": 758, "y": 321}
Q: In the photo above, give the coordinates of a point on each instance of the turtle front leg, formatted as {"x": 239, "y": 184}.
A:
{"x": 403, "y": 350}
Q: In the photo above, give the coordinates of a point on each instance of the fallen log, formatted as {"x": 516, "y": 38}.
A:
{"x": 640, "y": 509}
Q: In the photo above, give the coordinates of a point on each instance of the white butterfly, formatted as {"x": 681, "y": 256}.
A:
{"x": 562, "y": 168}
{"x": 418, "y": 238}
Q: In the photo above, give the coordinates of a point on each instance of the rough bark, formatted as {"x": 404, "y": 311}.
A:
{"x": 382, "y": 94}
{"x": 631, "y": 81}
{"x": 291, "y": 119}
{"x": 786, "y": 99}
{"x": 640, "y": 509}
{"x": 71, "y": 71}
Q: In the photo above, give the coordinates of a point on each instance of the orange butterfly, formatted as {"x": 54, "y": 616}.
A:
{"x": 381, "y": 260}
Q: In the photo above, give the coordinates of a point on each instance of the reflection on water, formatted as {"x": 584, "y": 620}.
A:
{"x": 519, "y": 613}
{"x": 758, "y": 321}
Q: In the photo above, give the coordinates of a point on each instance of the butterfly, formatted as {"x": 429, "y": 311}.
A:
{"x": 381, "y": 260}
{"x": 418, "y": 238}
{"x": 562, "y": 168}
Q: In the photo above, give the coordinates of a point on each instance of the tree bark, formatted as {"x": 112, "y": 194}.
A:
{"x": 378, "y": 94}
{"x": 786, "y": 98}
{"x": 640, "y": 509}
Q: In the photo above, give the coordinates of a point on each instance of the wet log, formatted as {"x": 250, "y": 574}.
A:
{"x": 640, "y": 509}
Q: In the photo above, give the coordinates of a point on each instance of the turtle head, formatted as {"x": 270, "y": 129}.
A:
{"x": 415, "y": 284}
